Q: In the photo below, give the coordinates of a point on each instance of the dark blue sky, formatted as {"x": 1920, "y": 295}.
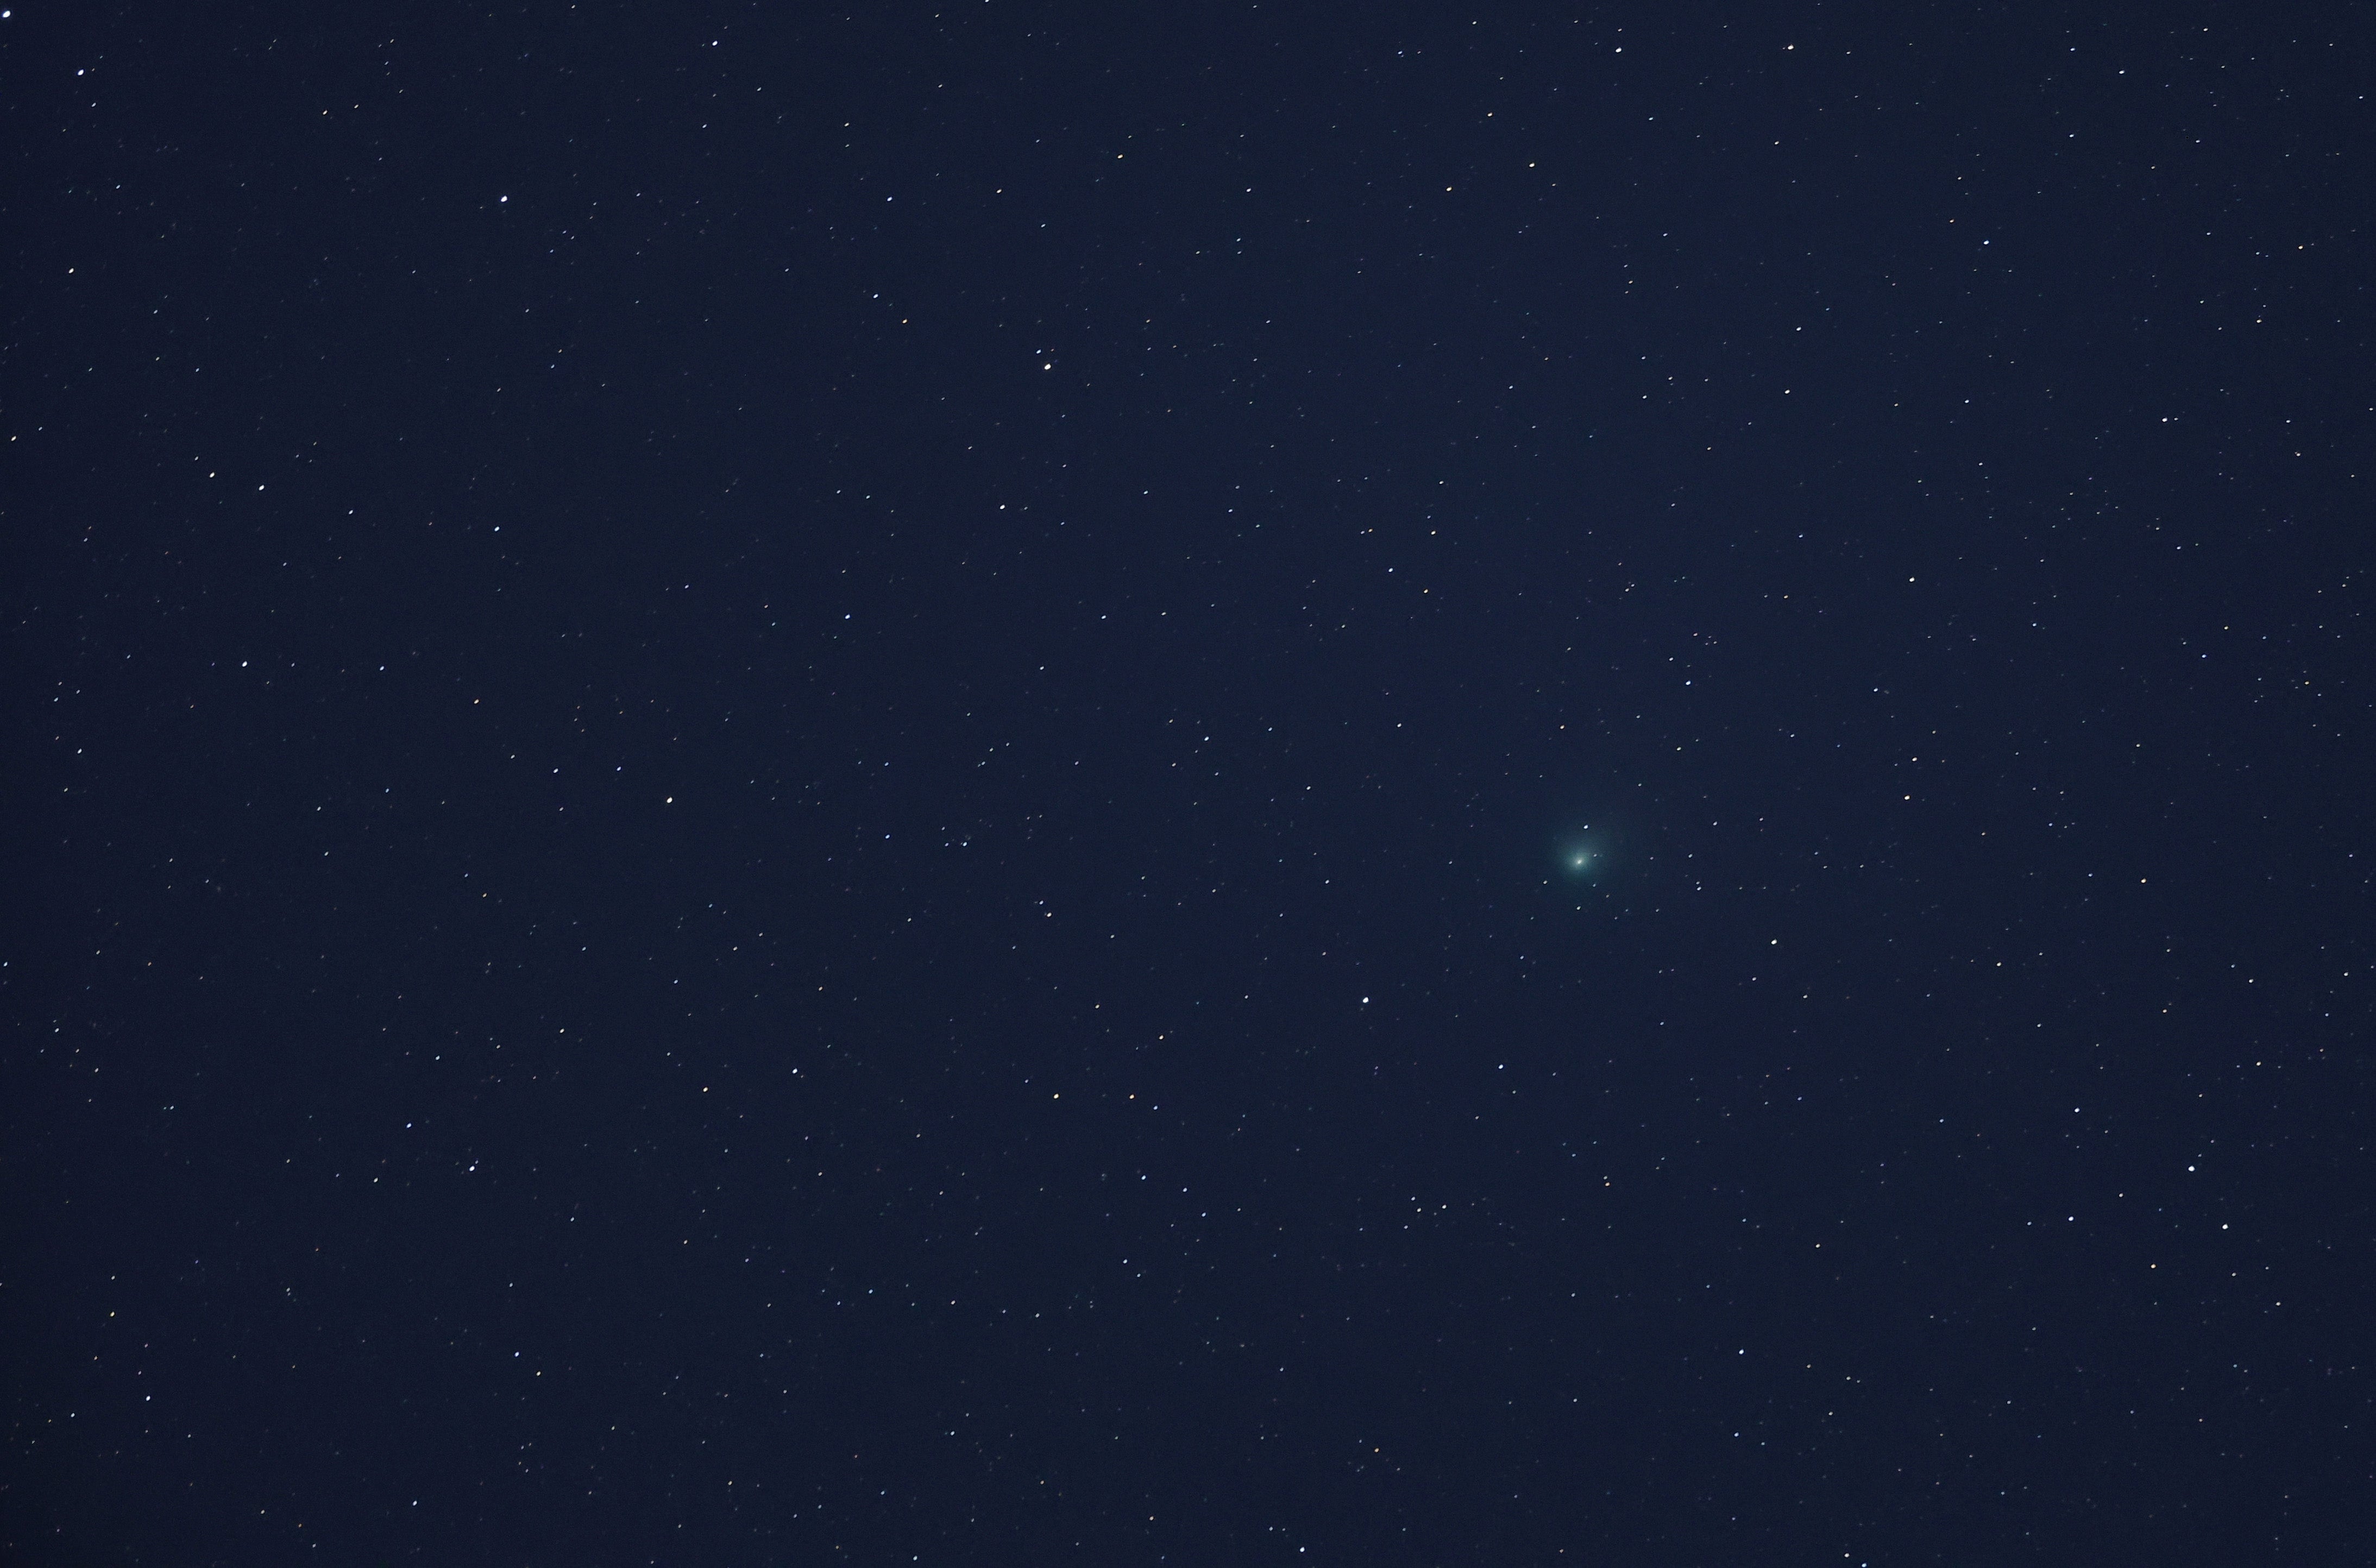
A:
{"x": 798, "y": 786}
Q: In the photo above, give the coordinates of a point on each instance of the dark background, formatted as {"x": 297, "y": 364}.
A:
{"x": 788, "y": 787}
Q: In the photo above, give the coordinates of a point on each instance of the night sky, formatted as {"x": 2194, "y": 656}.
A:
{"x": 1204, "y": 785}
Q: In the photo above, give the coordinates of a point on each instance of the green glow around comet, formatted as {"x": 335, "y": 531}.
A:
{"x": 1581, "y": 855}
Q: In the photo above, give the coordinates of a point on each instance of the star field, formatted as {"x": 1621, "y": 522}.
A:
{"x": 1010, "y": 784}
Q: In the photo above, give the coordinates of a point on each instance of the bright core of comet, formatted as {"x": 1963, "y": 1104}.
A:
{"x": 1580, "y": 856}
